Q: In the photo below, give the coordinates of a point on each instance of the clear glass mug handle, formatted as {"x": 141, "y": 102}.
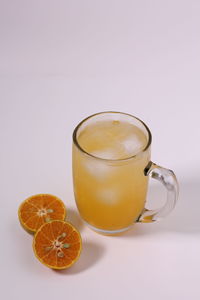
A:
{"x": 168, "y": 179}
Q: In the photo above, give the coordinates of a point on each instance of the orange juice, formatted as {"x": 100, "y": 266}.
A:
{"x": 109, "y": 182}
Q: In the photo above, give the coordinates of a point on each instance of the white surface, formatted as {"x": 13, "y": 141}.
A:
{"x": 60, "y": 61}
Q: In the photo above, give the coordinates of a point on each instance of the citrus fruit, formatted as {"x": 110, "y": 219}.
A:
{"x": 39, "y": 209}
{"x": 57, "y": 244}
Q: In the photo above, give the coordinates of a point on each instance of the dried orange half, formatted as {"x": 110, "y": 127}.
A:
{"x": 39, "y": 209}
{"x": 57, "y": 244}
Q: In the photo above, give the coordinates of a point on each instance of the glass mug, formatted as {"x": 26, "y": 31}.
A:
{"x": 111, "y": 167}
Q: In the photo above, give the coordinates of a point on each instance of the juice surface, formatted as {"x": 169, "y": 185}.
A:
{"x": 112, "y": 139}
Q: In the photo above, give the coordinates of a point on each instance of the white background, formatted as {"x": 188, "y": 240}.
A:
{"x": 61, "y": 61}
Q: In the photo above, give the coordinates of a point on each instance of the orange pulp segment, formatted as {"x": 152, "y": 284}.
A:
{"x": 57, "y": 244}
{"x": 39, "y": 209}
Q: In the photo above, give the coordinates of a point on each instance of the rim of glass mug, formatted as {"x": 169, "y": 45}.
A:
{"x": 112, "y": 112}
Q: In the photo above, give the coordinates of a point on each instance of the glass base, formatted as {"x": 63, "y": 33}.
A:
{"x": 108, "y": 232}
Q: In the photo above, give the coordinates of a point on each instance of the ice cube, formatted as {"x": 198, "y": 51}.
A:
{"x": 105, "y": 154}
{"x": 99, "y": 169}
{"x": 108, "y": 196}
{"x": 132, "y": 144}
